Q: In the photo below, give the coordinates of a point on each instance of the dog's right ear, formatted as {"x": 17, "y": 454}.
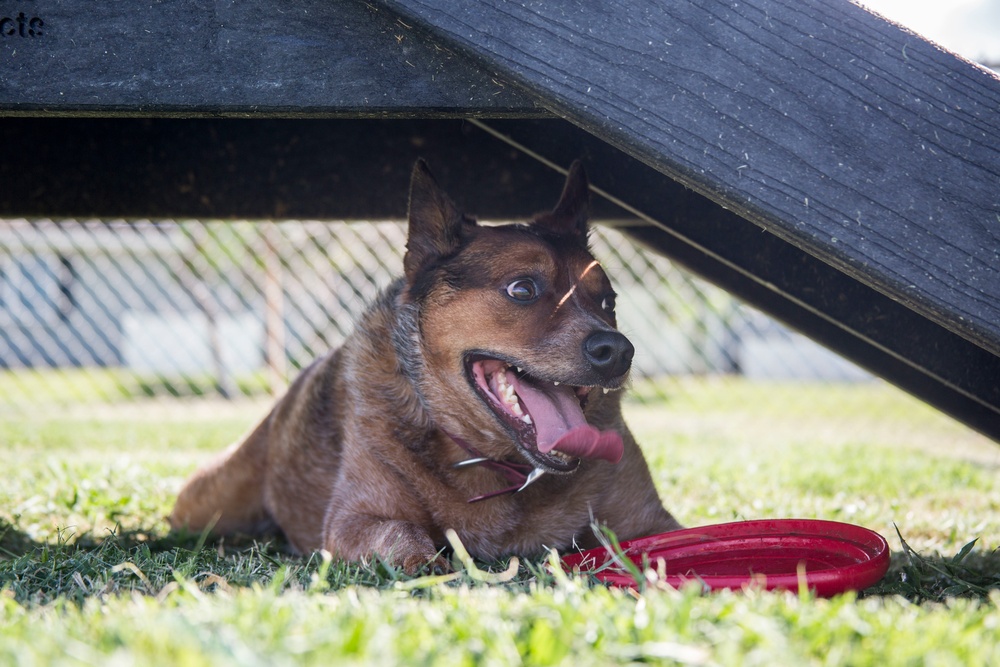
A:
{"x": 436, "y": 226}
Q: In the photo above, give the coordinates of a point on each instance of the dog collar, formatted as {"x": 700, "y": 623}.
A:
{"x": 521, "y": 475}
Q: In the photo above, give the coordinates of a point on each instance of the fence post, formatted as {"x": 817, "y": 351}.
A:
{"x": 274, "y": 309}
{"x": 204, "y": 300}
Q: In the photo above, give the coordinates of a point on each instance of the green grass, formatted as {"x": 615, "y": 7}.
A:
{"x": 89, "y": 573}
{"x": 29, "y": 388}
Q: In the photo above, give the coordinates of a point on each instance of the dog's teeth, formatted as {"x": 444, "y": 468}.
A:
{"x": 605, "y": 389}
{"x": 526, "y": 419}
{"x": 516, "y": 409}
{"x": 519, "y": 369}
{"x": 555, "y": 384}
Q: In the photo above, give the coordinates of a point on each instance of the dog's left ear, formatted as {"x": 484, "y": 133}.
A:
{"x": 569, "y": 217}
{"x": 436, "y": 227}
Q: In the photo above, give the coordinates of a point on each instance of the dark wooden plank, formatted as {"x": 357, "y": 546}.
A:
{"x": 261, "y": 168}
{"x": 862, "y": 324}
{"x": 840, "y": 133}
{"x": 309, "y": 57}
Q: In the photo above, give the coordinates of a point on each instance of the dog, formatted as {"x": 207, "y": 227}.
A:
{"x": 480, "y": 392}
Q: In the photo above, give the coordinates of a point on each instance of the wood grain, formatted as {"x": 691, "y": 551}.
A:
{"x": 183, "y": 57}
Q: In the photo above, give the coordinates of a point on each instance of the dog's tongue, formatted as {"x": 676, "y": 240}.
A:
{"x": 560, "y": 424}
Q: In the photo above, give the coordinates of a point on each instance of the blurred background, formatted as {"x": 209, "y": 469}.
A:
{"x": 114, "y": 310}
{"x": 970, "y": 28}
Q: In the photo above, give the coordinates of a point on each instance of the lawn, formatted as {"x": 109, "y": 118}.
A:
{"x": 89, "y": 575}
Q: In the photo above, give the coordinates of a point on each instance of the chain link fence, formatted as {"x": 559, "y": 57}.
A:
{"x": 111, "y": 311}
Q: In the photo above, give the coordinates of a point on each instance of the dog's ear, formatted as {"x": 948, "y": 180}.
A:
{"x": 436, "y": 226}
{"x": 569, "y": 217}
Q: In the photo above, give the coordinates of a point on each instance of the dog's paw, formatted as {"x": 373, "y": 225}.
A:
{"x": 434, "y": 563}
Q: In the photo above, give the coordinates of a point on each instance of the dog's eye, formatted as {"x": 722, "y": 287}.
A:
{"x": 523, "y": 289}
{"x": 608, "y": 304}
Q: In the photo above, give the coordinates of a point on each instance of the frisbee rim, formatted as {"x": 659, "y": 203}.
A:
{"x": 867, "y": 550}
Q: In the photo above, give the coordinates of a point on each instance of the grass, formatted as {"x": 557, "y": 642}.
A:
{"x": 27, "y": 388}
{"x": 89, "y": 573}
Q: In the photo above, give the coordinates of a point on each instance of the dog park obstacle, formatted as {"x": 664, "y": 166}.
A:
{"x": 830, "y": 168}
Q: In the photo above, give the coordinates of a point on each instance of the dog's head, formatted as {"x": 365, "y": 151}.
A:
{"x": 517, "y": 327}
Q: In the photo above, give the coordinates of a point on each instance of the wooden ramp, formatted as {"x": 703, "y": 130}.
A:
{"x": 826, "y": 166}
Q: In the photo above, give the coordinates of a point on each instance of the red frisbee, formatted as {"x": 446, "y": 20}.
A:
{"x": 828, "y": 556}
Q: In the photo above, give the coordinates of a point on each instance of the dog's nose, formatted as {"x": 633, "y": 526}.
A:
{"x": 609, "y": 353}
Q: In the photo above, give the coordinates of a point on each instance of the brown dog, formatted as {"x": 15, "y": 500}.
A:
{"x": 480, "y": 393}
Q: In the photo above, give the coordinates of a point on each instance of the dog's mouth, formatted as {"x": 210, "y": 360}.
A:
{"x": 546, "y": 418}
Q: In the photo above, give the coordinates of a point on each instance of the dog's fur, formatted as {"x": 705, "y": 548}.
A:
{"x": 359, "y": 456}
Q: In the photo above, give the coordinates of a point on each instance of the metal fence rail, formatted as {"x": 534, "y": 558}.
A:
{"x": 107, "y": 310}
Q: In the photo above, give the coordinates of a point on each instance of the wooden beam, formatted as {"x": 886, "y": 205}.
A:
{"x": 189, "y": 58}
{"x": 260, "y": 169}
{"x": 841, "y": 134}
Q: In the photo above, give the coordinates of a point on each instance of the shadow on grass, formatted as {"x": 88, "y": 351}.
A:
{"x": 234, "y": 544}
{"x": 918, "y": 578}
{"x": 85, "y": 565}
{"x": 14, "y": 542}
{"x": 127, "y": 562}
{"x": 149, "y": 563}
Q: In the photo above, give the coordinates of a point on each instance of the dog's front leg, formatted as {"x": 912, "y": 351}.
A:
{"x": 374, "y": 507}
{"x": 402, "y": 543}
